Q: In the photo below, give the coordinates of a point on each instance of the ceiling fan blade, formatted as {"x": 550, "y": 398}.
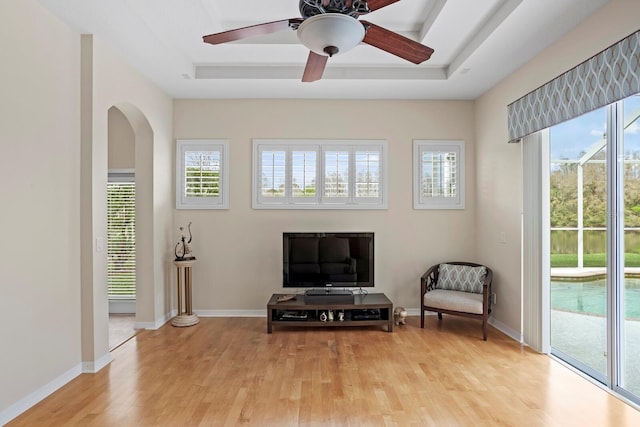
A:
{"x": 396, "y": 44}
{"x": 379, "y": 4}
{"x": 315, "y": 67}
{"x": 253, "y": 30}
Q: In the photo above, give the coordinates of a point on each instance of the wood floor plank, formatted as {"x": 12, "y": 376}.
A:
{"x": 230, "y": 372}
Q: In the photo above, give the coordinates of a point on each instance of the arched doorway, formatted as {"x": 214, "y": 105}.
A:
{"x": 121, "y": 219}
{"x": 130, "y": 141}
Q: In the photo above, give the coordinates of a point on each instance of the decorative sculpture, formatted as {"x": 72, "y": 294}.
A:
{"x": 183, "y": 248}
{"x": 400, "y": 315}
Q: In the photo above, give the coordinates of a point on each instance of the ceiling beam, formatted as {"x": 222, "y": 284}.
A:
{"x": 433, "y": 14}
{"x": 494, "y": 18}
{"x": 331, "y": 72}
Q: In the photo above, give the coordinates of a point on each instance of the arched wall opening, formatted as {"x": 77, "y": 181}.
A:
{"x": 143, "y": 161}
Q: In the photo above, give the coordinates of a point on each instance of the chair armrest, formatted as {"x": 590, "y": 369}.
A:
{"x": 486, "y": 291}
{"x": 428, "y": 280}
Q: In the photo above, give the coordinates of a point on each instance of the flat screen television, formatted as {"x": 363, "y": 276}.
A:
{"x": 324, "y": 260}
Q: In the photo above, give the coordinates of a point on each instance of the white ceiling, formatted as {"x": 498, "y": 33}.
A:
{"x": 477, "y": 43}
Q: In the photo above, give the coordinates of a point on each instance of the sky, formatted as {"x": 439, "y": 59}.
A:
{"x": 570, "y": 138}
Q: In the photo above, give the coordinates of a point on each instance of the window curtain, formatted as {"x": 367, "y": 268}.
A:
{"x": 607, "y": 77}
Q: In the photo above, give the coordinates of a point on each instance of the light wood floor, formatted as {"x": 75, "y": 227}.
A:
{"x": 231, "y": 372}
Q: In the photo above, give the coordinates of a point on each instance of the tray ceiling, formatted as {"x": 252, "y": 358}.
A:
{"x": 476, "y": 43}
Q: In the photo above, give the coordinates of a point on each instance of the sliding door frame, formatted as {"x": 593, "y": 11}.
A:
{"x": 536, "y": 307}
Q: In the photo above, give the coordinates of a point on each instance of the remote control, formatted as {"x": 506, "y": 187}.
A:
{"x": 283, "y": 298}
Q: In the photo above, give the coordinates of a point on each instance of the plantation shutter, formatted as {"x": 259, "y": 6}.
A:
{"x": 438, "y": 175}
{"x": 202, "y": 173}
{"x": 336, "y": 174}
{"x": 304, "y": 165}
{"x": 367, "y": 174}
{"x": 273, "y": 175}
{"x": 121, "y": 240}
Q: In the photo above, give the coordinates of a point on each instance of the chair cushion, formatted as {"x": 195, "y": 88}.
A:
{"x": 463, "y": 278}
{"x": 465, "y": 302}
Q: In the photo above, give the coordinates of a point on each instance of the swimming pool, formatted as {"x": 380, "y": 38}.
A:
{"x": 589, "y": 297}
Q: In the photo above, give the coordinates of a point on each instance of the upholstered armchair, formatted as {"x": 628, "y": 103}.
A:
{"x": 457, "y": 288}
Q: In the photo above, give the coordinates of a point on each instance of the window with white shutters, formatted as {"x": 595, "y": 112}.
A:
{"x": 312, "y": 174}
{"x": 121, "y": 239}
{"x": 438, "y": 175}
{"x": 202, "y": 175}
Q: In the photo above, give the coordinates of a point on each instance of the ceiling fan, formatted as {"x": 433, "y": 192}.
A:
{"x": 329, "y": 27}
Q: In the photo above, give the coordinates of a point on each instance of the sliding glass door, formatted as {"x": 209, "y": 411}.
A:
{"x": 594, "y": 209}
{"x": 628, "y": 371}
{"x": 578, "y": 178}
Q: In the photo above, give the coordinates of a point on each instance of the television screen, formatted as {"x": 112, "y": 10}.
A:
{"x": 327, "y": 260}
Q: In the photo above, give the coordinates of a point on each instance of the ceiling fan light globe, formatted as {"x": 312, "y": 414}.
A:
{"x": 331, "y": 31}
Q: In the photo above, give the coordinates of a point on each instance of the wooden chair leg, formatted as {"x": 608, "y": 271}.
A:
{"x": 484, "y": 329}
{"x": 440, "y": 315}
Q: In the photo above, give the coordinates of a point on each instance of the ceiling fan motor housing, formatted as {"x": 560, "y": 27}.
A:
{"x": 353, "y": 8}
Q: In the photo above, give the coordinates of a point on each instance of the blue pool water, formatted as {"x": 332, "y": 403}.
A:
{"x": 589, "y": 297}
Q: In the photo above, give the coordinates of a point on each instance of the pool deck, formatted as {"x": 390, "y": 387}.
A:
{"x": 588, "y": 272}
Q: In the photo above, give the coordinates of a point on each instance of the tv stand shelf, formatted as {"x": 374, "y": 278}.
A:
{"x": 366, "y": 310}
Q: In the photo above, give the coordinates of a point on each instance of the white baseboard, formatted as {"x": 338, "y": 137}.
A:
{"x": 37, "y": 396}
{"x": 413, "y": 311}
{"x": 32, "y": 399}
{"x": 157, "y": 324}
{"x": 231, "y": 313}
{"x": 118, "y": 306}
{"x": 93, "y": 366}
{"x": 513, "y": 334}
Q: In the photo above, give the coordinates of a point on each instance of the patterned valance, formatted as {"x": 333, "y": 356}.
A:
{"x": 607, "y": 77}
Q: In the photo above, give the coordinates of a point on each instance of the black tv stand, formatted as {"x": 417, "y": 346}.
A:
{"x": 366, "y": 310}
{"x": 328, "y": 296}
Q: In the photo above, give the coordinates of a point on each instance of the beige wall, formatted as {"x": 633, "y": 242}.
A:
{"x": 499, "y": 177}
{"x": 53, "y": 324}
{"x": 240, "y": 250}
{"x": 149, "y": 112}
{"x": 39, "y": 166}
{"x": 122, "y": 141}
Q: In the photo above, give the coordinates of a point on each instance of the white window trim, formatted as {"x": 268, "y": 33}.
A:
{"x": 220, "y": 202}
{"x": 122, "y": 175}
{"x": 421, "y": 146}
{"x": 318, "y": 202}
